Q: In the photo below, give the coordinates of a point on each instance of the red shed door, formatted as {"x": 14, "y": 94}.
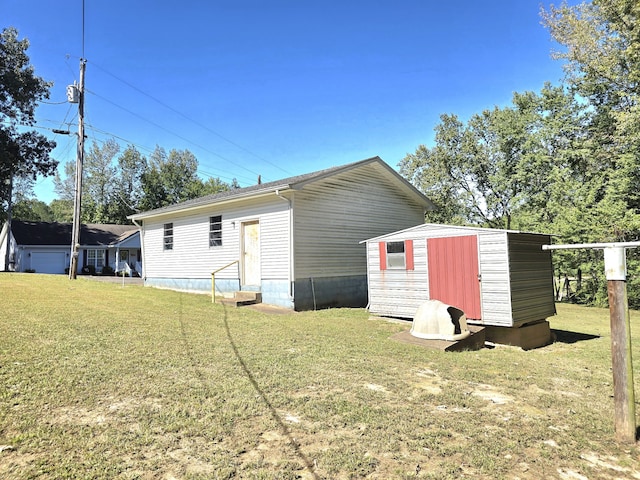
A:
{"x": 453, "y": 273}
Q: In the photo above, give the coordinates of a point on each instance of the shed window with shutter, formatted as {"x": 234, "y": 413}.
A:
{"x": 396, "y": 255}
{"x": 168, "y": 236}
{"x": 215, "y": 231}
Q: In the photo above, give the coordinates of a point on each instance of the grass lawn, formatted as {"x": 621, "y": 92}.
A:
{"x": 103, "y": 381}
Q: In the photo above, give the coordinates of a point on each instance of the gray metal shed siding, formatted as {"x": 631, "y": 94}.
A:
{"x": 531, "y": 278}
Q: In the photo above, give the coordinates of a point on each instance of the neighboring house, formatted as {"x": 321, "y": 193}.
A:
{"x": 499, "y": 278}
{"x": 296, "y": 240}
{"x": 45, "y": 247}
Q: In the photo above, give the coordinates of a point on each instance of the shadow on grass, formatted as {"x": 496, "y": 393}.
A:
{"x": 564, "y": 336}
{"x": 283, "y": 427}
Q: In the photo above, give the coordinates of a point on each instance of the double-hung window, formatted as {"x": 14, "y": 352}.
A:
{"x": 215, "y": 231}
{"x": 168, "y": 236}
{"x": 96, "y": 258}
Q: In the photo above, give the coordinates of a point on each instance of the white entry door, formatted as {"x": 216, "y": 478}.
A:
{"x": 251, "y": 253}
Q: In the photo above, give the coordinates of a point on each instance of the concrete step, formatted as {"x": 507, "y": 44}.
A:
{"x": 243, "y": 298}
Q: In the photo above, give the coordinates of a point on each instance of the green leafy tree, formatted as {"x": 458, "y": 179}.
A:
{"x": 128, "y": 185}
{"x": 171, "y": 178}
{"x": 497, "y": 165}
{"x": 62, "y": 210}
{"x": 32, "y": 210}
{"x": 25, "y": 154}
{"x": 64, "y": 185}
{"x": 99, "y": 185}
{"x": 601, "y": 43}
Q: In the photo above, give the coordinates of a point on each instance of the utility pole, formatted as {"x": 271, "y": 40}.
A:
{"x": 7, "y": 254}
{"x": 77, "y": 202}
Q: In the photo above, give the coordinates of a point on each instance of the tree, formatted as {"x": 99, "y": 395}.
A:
{"x": 25, "y": 154}
{"x": 497, "y": 165}
{"x": 32, "y": 210}
{"x": 170, "y": 179}
{"x": 99, "y": 182}
{"x": 601, "y": 43}
{"x": 128, "y": 185}
{"x": 64, "y": 186}
{"x": 62, "y": 210}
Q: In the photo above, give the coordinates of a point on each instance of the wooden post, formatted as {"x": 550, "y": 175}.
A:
{"x": 623, "y": 392}
{"x": 615, "y": 266}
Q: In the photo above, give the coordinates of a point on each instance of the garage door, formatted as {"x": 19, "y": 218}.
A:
{"x": 48, "y": 262}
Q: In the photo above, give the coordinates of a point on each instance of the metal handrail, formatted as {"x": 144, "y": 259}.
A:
{"x": 213, "y": 279}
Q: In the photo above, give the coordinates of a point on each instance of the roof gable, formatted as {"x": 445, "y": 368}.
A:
{"x": 292, "y": 183}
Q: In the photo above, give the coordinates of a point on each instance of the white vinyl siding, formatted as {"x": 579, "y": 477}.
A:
{"x": 333, "y": 216}
{"x": 192, "y": 257}
{"x": 531, "y": 277}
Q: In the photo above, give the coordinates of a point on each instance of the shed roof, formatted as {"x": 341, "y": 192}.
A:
{"x": 54, "y": 233}
{"x": 429, "y": 226}
{"x": 292, "y": 183}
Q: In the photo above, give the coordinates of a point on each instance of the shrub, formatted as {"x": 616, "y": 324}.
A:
{"x": 89, "y": 270}
{"x": 107, "y": 270}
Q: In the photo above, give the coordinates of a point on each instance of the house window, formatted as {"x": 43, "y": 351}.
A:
{"x": 96, "y": 258}
{"x": 168, "y": 236}
{"x": 215, "y": 231}
{"x": 395, "y": 255}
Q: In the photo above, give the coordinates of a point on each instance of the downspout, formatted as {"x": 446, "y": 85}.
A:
{"x": 142, "y": 273}
{"x": 291, "y": 244}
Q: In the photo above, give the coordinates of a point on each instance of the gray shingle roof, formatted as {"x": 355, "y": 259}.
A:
{"x": 53, "y": 233}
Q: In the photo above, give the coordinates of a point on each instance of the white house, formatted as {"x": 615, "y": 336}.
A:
{"x": 45, "y": 247}
{"x": 296, "y": 240}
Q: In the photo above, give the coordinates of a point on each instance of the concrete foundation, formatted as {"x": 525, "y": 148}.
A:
{"x": 531, "y": 335}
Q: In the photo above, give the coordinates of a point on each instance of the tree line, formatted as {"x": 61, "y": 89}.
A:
{"x": 564, "y": 161}
{"x": 119, "y": 183}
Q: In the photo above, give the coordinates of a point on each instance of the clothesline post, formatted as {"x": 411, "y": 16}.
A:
{"x": 615, "y": 266}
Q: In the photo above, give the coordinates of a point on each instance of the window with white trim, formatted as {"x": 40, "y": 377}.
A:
{"x": 96, "y": 258}
{"x": 215, "y": 231}
{"x": 168, "y": 236}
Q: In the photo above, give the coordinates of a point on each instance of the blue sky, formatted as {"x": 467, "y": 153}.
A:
{"x": 281, "y": 87}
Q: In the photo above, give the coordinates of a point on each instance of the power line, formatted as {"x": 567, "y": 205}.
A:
{"x": 172, "y": 133}
{"x": 95, "y": 139}
{"x": 201, "y": 125}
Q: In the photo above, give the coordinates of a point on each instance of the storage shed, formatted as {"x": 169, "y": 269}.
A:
{"x": 499, "y": 278}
